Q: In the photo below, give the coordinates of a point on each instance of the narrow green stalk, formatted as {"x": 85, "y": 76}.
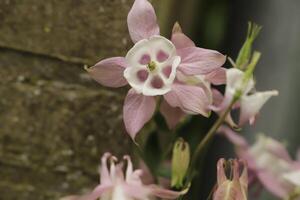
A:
{"x": 207, "y": 139}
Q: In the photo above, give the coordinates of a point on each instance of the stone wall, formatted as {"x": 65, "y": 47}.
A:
{"x": 55, "y": 122}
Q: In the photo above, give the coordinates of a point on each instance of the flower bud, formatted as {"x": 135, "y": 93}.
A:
{"x": 180, "y": 162}
{"x": 235, "y": 187}
{"x": 245, "y": 53}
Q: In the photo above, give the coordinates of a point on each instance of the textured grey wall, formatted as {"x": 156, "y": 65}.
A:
{"x": 55, "y": 122}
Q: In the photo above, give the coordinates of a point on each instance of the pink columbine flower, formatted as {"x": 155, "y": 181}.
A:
{"x": 115, "y": 185}
{"x": 151, "y": 68}
{"x": 250, "y": 101}
{"x": 269, "y": 162}
{"x": 235, "y": 188}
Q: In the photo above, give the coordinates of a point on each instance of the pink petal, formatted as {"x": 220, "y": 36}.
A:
{"x": 141, "y": 20}
{"x": 109, "y": 72}
{"x": 229, "y": 190}
{"x": 137, "y": 191}
{"x": 104, "y": 173}
{"x": 250, "y": 105}
{"x": 164, "y": 193}
{"x": 272, "y": 184}
{"x": 132, "y": 177}
{"x": 191, "y": 99}
{"x": 196, "y": 61}
{"x": 221, "y": 176}
{"x": 278, "y": 150}
{"x": 94, "y": 195}
{"x": 179, "y": 39}
{"x": 138, "y": 110}
{"x": 173, "y": 115}
{"x": 217, "y": 77}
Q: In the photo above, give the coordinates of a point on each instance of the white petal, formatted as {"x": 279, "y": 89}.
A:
{"x": 293, "y": 177}
{"x": 250, "y": 105}
{"x": 160, "y": 51}
{"x": 119, "y": 194}
{"x": 235, "y": 81}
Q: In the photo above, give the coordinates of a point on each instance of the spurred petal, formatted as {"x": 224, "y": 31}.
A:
{"x": 196, "y": 61}
{"x": 191, "y": 99}
{"x": 104, "y": 173}
{"x": 141, "y": 20}
{"x": 173, "y": 115}
{"x": 250, "y": 105}
{"x": 109, "y": 72}
{"x": 179, "y": 39}
{"x": 217, "y": 77}
{"x": 221, "y": 176}
{"x": 138, "y": 110}
{"x": 132, "y": 177}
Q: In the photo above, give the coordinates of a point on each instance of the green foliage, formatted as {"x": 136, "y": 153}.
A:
{"x": 244, "y": 55}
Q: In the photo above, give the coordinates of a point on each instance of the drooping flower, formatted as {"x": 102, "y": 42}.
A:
{"x": 250, "y": 102}
{"x": 151, "y": 68}
{"x": 235, "y": 188}
{"x": 268, "y": 161}
{"x": 115, "y": 185}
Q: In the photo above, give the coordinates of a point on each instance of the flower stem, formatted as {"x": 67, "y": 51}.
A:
{"x": 207, "y": 139}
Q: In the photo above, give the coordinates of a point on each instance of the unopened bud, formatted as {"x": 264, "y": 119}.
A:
{"x": 234, "y": 187}
{"x": 180, "y": 162}
{"x": 244, "y": 56}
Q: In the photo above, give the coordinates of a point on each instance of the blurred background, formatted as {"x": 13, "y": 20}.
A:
{"x": 55, "y": 122}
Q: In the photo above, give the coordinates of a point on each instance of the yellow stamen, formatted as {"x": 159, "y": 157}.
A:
{"x": 151, "y": 66}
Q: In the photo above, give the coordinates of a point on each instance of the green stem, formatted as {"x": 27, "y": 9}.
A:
{"x": 207, "y": 139}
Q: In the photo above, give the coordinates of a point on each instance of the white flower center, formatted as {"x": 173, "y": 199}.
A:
{"x": 152, "y": 65}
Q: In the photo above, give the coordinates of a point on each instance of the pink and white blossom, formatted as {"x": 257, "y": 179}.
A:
{"x": 250, "y": 101}
{"x": 151, "y": 68}
{"x": 115, "y": 185}
{"x": 268, "y": 161}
